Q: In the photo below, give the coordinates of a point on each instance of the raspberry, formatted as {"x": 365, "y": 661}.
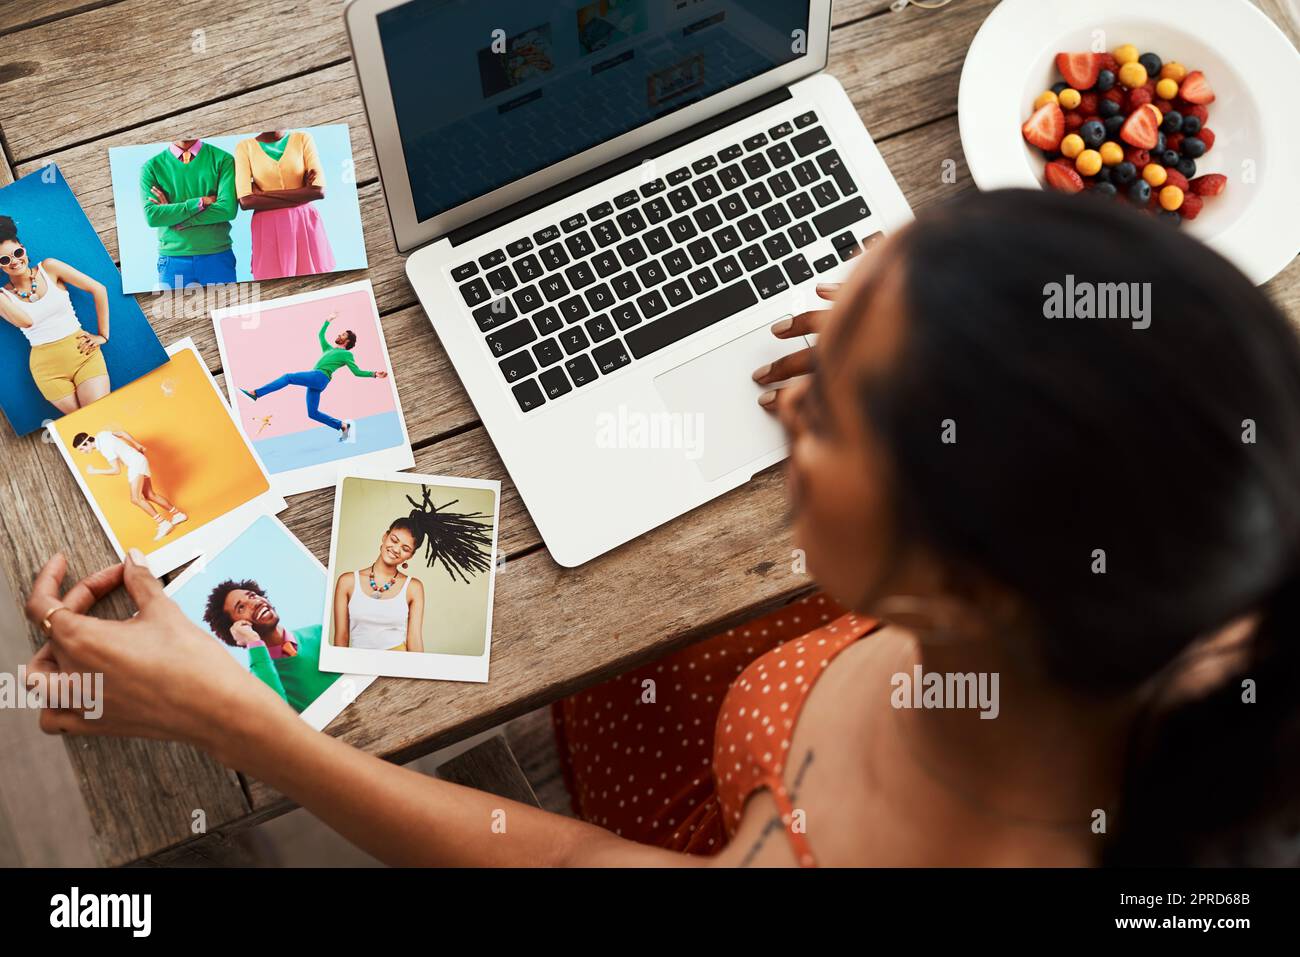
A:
{"x": 1139, "y": 98}
{"x": 1088, "y": 104}
{"x": 1174, "y": 141}
{"x": 1138, "y": 157}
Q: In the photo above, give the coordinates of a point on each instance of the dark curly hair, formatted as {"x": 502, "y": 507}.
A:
{"x": 8, "y": 230}
{"x": 461, "y": 542}
{"x": 352, "y": 338}
{"x": 215, "y": 613}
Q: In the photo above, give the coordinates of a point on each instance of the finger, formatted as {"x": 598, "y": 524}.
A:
{"x": 64, "y": 721}
{"x": 83, "y": 595}
{"x": 796, "y": 363}
{"x": 45, "y": 588}
{"x": 828, "y": 290}
{"x": 141, "y": 584}
{"x": 805, "y": 324}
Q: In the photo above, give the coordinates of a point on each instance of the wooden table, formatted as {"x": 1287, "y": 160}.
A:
{"x": 80, "y": 76}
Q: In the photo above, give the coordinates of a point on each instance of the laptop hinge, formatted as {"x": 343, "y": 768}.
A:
{"x": 608, "y": 170}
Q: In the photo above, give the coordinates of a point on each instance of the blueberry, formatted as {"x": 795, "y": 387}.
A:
{"x": 1173, "y": 122}
{"x": 1193, "y": 147}
{"x": 1093, "y": 133}
{"x": 1104, "y": 174}
{"x": 1171, "y": 216}
{"x": 1105, "y": 80}
{"x": 1140, "y": 192}
{"x": 1113, "y": 125}
{"x": 1105, "y": 189}
{"x": 1124, "y": 173}
{"x": 1169, "y": 159}
{"x": 1152, "y": 63}
{"x": 1191, "y": 125}
{"x": 1059, "y": 86}
{"x": 1160, "y": 143}
{"x": 1107, "y": 108}
{"x": 1187, "y": 166}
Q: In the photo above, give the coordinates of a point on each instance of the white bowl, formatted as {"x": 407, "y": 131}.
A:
{"x": 1252, "y": 67}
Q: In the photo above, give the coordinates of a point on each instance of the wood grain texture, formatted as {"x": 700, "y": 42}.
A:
{"x": 490, "y": 767}
{"x": 24, "y": 14}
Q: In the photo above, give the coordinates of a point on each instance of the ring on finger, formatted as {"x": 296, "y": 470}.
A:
{"x": 45, "y": 622}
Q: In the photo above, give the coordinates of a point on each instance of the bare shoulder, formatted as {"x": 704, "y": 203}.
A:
{"x": 416, "y": 587}
{"x": 346, "y": 582}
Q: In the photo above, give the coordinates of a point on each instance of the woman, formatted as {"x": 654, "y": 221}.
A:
{"x": 380, "y": 608}
{"x": 278, "y": 175}
{"x": 1104, "y": 519}
{"x": 66, "y": 362}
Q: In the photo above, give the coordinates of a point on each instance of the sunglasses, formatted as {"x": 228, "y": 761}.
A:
{"x": 19, "y": 253}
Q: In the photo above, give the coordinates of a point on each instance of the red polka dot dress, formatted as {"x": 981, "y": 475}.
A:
{"x": 669, "y": 753}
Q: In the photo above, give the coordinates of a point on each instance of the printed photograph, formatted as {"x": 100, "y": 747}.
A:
{"x": 606, "y": 22}
{"x": 412, "y": 569}
{"x": 527, "y": 56}
{"x": 163, "y": 465}
{"x": 227, "y": 209}
{"x": 310, "y": 381}
{"x": 261, "y": 596}
{"x": 69, "y": 335}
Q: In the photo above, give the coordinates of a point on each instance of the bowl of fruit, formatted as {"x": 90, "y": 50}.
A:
{"x": 1169, "y": 109}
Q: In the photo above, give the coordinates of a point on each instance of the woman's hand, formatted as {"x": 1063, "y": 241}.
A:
{"x": 87, "y": 343}
{"x": 162, "y": 676}
{"x": 799, "y": 362}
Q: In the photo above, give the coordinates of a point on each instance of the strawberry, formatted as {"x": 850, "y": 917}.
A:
{"x": 1138, "y": 157}
{"x": 1087, "y": 104}
{"x": 1175, "y": 178}
{"x": 1079, "y": 69}
{"x": 1108, "y": 62}
{"x": 1207, "y": 137}
{"x": 1046, "y": 127}
{"x": 1062, "y": 176}
{"x": 1211, "y": 184}
{"x": 1141, "y": 129}
{"x": 1195, "y": 89}
{"x": 1139, "y": 98}
{"x": 1191, "y": 208}
{"x": 1073, "y": 120}
{"x": 1174, "y": 141}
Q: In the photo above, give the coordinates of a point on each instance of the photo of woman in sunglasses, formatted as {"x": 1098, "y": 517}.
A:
{"x": 66, "y": 361}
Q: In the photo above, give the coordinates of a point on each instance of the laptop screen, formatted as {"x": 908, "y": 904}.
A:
{"x": 489, "y": 91}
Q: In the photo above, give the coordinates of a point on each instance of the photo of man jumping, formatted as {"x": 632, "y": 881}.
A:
{"x": 333, "y": 357}
{"x": 120, "y": 448}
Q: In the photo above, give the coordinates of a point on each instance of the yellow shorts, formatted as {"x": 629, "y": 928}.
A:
{"x": 59, "y": 367}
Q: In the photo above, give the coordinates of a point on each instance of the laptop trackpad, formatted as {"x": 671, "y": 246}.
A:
{"x": 717, "y": 394}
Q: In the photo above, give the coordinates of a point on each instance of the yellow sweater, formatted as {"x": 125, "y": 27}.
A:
{"x": 252, "y": 165}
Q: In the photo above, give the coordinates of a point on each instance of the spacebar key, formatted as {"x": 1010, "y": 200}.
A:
{"x": 653, "y": 336}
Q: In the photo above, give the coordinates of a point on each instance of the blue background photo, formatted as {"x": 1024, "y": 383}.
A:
{"x": 52, "y": 225}
{"x": 137, "y": 241}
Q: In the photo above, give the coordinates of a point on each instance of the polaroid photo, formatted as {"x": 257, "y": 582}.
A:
{"x": 311, "y": 385}
{"x": 411, "y": 575}
{"x": 260, "y": 594}
{"x": 223, "y": 209}
{"x": 68, "y": 336}
{"x": 164, "y": 465}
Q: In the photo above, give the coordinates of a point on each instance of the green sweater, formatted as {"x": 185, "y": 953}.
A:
{"x": 298, "y": 680}
{"x": 334, "y": 358}
{"x": 182, "y": 229}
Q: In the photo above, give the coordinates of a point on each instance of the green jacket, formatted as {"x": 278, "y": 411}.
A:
{"x": 335, "y": 358}
{"x": 298, "y": 680}
{"x": 182, "y": 229}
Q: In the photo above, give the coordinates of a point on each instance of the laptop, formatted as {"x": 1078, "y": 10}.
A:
{"x": 606, "y": 205}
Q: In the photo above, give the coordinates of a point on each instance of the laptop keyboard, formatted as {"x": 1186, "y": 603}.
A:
{"x": 582, "y": 299}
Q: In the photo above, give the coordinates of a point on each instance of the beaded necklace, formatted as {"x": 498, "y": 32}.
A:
{"x": 30, "y": 292}
{"x": 375, "y": 586}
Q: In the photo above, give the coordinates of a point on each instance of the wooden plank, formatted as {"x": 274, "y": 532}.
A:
{"x": 83, "y": 77}
{"x": 849, "y": 11}
{"x": 490, "y": 767}
{"x": 30, "y": 13}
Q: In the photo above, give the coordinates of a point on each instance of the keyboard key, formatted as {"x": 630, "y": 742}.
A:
{"x": 702, "y": 251}
{"x": 707, "y": 218}
{"x": 625, "y": 285}
{"x": 553, "y": 256}
{"x": 605, "y": 234}
{"x": 797, "y": 268}
{"x": 606, "y": 264}
{"x": 631, "y": 252}
{"x": 781, "y": 185}
{"x": 780, "y": 130}
{"x": 554, "y": 383}
{"x": 755, "y": 141}
{"x": 770, "y": 282}
{"x": 652, "y": 304}
{"x": 600, "y": 211}
{"x": 707, "y": 188}
{"x": 731, "y": 177}
{"x": 781, "y": 155}
{"x": 841, "y": 217}
{"x": 527, "y": 299}
{"x": 756, "y": 195}
{"x": 554, "y": 287}
{"x": 825, "y": 263}
{"x": 657, "y": 240}
{"x": 691, "y": 318}
{"x": 776, "y": 217}
{"x": 682, "y": 199}
{"x": 801, "y": 205}
{"x": 704, "y": 165}
{"x": 679, "y": 176}
{"x": 727, "y": 239}
{"x": 517, "y": 366}
{"x": 573, "y": 309}
{"x": 548, "y": 321}
{"x": 461, "y": 273}
{"x": 824, "y": 193}
{"x": 811, "y": 141}
{"x": 528, "y": 395}
{"x": 728, "y": 269}
{"x": 777, "y": 246}
{"x": 848, "y": 250}
{"x": 474, "y": 292}
{"x": 580, "y": 245}
{"x": 802, "y": 235}
{"x": 520, "y": 246}
{"x": 732, "y": 206}
{"x": 577, "y": 221}
{"x": 581, "y": 370}
{"x": 574, "y": 340}
{"x": 702, "y": 281}
{"x": 657, "y": 211}
{"x": 548, "y": 352}
{"x": 676, "y": 262}
{"x": 501, "y": 280}
{"x": 806, "y": 173}
{"x": 610, "y": 356}
{"x": 492, "y": 259}
{"x": 752, "y": 257}
{"x": 528, "y": 268}
{"x": 751, "y": 227}
{"x": 805, "y": 119}
{"x": 495, "y": 314}
{"x": 756, "y": 166}
{"x": 625, "y": 315}
{"x": 834, "y": 167}
{"x": 730, "y": 153}
{"x": 624, "y": 200}
{"x": 631, "y": 222}
{"x": 506, "y": 340}
{"x": 653, "y": 188}
{"x": 651, "y": 273}
{"x": 599, "y": 327}
{"x": 580, "y": 275}
{"x": 600, "y": 298}
{"x": 677, "y": 292}
{"x": 547, "y": 235}
{"x": 682, "y": 229}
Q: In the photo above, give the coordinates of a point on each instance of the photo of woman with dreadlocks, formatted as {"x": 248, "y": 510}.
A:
{"x": 412, "y": 565}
